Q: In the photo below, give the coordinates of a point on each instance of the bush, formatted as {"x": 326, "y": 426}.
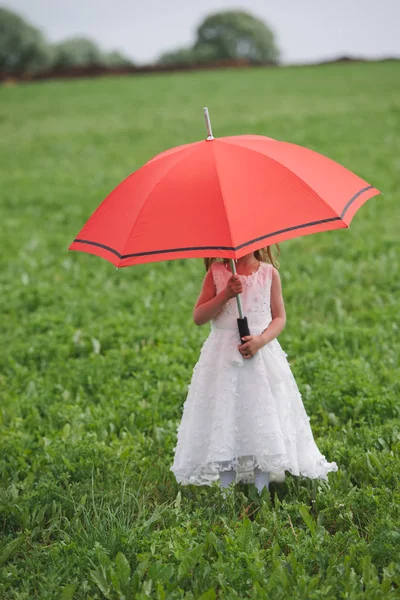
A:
{"x": 77, "y": 52}
{"x": 115, "y": 59}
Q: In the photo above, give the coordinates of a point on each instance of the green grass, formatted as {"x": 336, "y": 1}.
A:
{"x": 95, "y": 363}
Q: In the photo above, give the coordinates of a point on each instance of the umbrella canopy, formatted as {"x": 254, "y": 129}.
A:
{"x": 223, "y": 197}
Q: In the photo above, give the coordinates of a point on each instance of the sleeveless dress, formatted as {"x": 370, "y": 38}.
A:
{"x": 244, "y": 412}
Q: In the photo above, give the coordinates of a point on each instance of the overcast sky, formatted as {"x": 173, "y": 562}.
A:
{"x": 306, "y": 30}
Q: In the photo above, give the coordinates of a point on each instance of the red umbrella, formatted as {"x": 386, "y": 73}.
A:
{"x": 223, "y": 197}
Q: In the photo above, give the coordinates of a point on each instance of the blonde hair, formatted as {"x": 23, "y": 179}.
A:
{"x": 263, "y": 255}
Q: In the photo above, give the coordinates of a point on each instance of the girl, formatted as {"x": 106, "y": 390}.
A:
{"x": 243, "y": 418}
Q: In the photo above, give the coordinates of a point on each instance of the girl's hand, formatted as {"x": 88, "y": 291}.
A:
{"x": 251, "y": 346}
{"x": 233, "y": 287}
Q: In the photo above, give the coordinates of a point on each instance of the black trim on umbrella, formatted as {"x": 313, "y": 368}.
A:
{"x": 99, "y": 246}
{"x": 234, "y": 248}
{"x": 350, "y": 202}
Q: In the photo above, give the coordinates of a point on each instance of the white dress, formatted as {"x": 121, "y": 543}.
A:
{"x": 241, "y": 413}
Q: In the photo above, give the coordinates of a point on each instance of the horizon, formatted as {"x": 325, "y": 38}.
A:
{"x": 305, "y": 34}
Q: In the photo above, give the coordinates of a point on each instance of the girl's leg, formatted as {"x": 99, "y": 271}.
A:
{"x": 261, "y": 479}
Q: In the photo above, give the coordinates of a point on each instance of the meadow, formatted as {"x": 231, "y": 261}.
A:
{"x": 95, "y": 362}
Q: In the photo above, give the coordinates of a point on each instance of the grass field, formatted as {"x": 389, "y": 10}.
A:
{"x": 95, "y": 363}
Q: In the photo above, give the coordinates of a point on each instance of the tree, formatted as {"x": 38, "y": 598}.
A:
{"x": 77, "y": 52}
{"x": 235, "y": 35}
{"x": 22, "y": 47}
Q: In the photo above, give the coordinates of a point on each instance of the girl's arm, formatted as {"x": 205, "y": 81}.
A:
{"x": 277, "y": 309}
{"x": 209, "y": 303}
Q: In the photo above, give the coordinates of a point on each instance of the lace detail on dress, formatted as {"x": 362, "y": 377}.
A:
{"x": 255, "y": 296}
{"x": 246, "y": 417}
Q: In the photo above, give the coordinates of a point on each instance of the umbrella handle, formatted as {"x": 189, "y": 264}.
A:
{"x": 242, "y": 321}
{"x": 243, "y": 328}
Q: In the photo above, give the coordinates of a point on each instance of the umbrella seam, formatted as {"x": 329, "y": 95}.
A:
{"x": 292, "y": 174}
{"x": 188, "y": 248}
{"x": 232, "y": 248}
{"x": 171, "y": 152}
{"x": 222, "y": 195}
{"x": 152, "y": 191}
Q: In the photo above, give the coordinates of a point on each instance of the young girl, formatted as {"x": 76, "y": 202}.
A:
{"x": 243, "y": 418}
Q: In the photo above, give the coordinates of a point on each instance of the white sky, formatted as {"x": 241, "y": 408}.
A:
{"x": 306, "y": 30}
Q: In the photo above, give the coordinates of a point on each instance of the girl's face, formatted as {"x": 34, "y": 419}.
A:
{"x": 248, "y": 256}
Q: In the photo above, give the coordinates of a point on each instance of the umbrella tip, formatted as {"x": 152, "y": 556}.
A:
{"x": 208, "y": 124}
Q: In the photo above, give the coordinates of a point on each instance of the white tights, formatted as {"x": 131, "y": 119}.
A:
{"x": 261, "y": 478}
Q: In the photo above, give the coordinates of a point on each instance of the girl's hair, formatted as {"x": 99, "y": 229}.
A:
{"x": 263, "y": 255}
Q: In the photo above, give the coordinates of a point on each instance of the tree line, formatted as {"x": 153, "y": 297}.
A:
{"x": 24, "y": 49}
{"x": 229, "y": 35}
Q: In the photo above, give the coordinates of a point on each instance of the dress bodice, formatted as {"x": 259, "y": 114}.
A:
{"x": 256, "y": 298}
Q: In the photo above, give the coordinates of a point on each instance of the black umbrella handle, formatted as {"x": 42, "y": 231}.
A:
{"x": 243, "y": 328}
{"x": 242, "y": 321}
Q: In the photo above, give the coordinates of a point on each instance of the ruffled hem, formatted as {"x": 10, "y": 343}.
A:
{"x": 276, "y": 466}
